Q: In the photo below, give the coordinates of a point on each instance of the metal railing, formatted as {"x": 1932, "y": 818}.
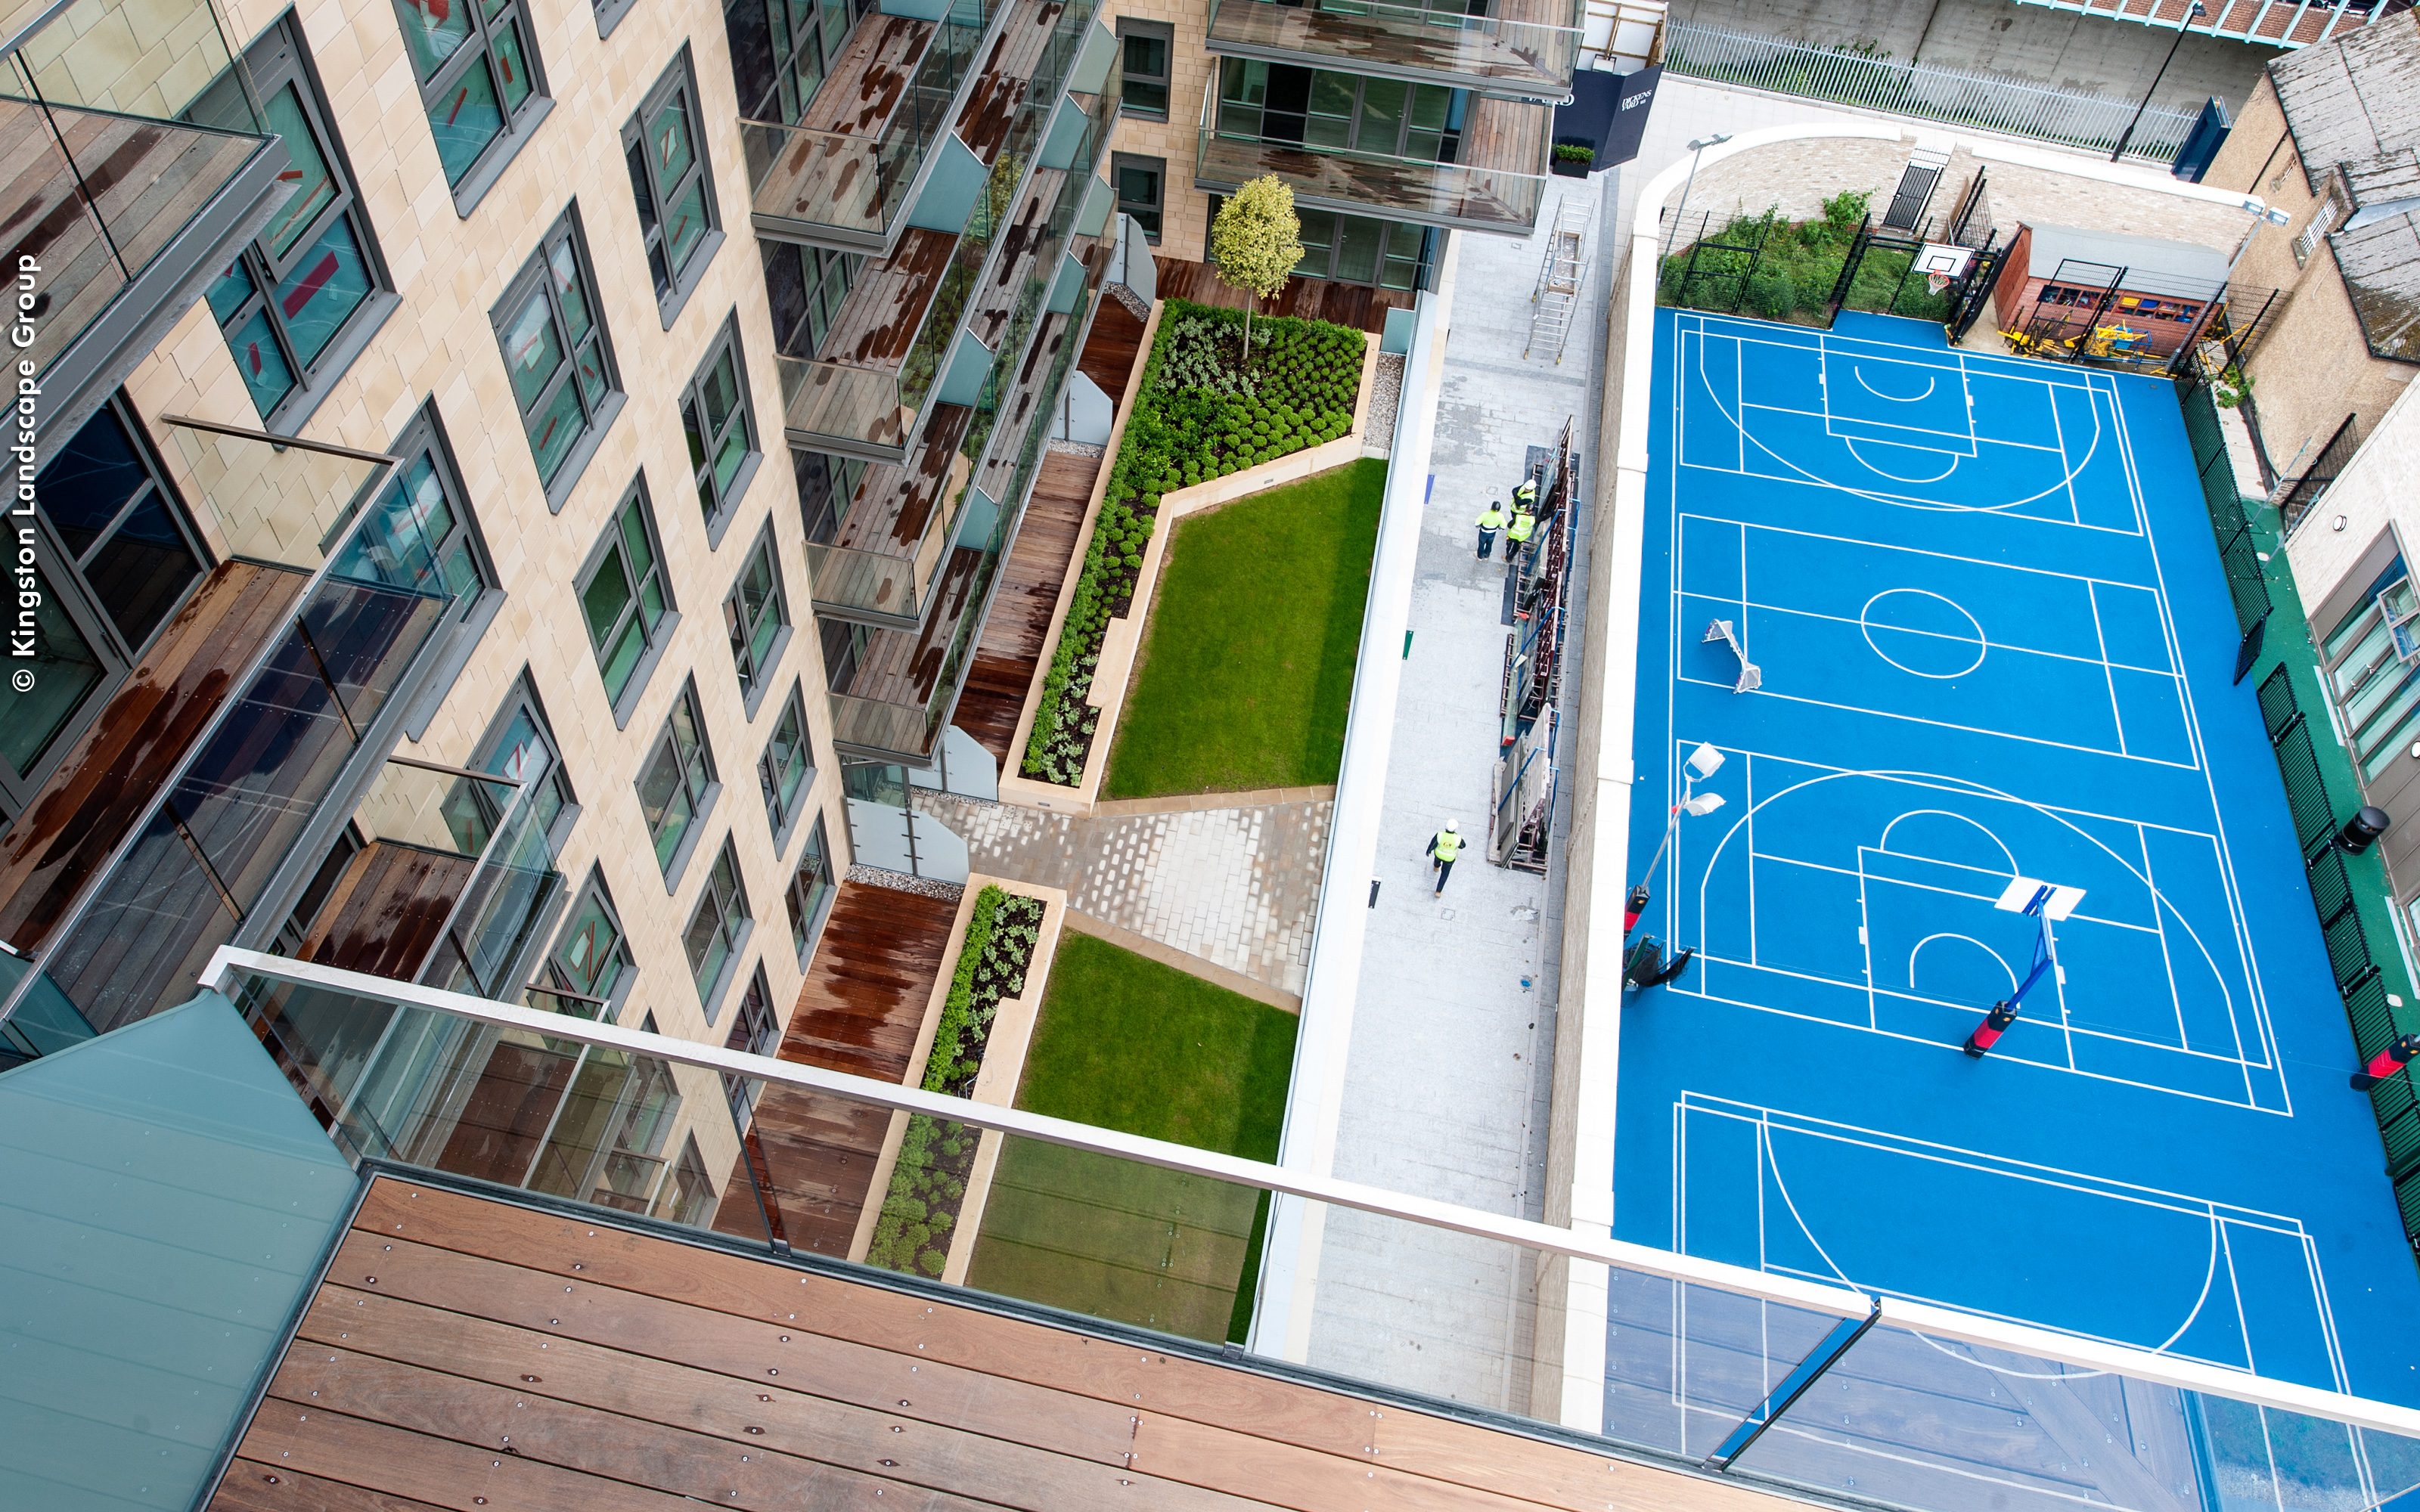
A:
{"x": 1489, "y": 53}
{"x": 1761, "y": 1378}
{"x": 1923, "y": 90}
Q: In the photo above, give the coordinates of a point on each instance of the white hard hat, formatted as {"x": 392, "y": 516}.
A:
{"x": 1448, "y": 823}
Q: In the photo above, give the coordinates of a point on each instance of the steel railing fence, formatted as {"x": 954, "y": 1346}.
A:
{"x": 1920, "y": 89}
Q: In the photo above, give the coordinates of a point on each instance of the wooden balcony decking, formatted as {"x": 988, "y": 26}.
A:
{"x": 859, "y": 1010}
{"x": 902, "y": 667}
{"x": 1016, "y": 635}
{"x": 895, "y": 503}
{"x": 876, "y": 324}
{"x": 996, "y": 300}
{"x": 116, "y": 766}
{"x": 388, "y": 910}
{"x": 869, "y": 79}
{"x": 1533, "y": 53}
{"x": 1115, "y": 340}
{"x": 1018, "y": 401}
{"x": 1313, "y": 298}
{"x": 835, "y": 182}
{"x": 1005, "y": 77}
{"x": 461, "y": 1352}
{"x": 1496, "y": 183}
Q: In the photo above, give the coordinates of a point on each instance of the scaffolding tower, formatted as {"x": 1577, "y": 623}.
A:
{"x": 1556, "y": 300}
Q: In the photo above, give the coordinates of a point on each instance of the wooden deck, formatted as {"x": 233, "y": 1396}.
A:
{"x": 895, "y": 502}
{"x": 1018, "y": 634}
{"x": 904, "y": 667}
{"x": 463, "y": 1352}
{"x": 388, "y": 910}
{"x": 859, "y": 1010}
{"x": 1518, "y": 47}
{"x": 1116, "y": 340}
{"x": 870, "y": 77}
{"x": 1017, "y": 402}
{"x": 1005, "y": 76}
{"x": 1313, "y": 298}
{"x": 876, "y": 326}
{"x": 835, "y": 179}
{"x": 59, "y": 843}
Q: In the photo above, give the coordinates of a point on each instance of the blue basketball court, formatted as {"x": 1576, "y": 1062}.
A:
{"x": 1995, "y": 641}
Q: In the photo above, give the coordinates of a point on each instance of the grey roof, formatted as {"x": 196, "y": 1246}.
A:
{"x": 2186, "y": 270}
{"x": 2380, "y": 260}
{"x": 2355, "y": 104}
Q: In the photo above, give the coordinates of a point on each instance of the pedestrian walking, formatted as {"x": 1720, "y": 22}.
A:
{"x": 1444, "y": 846}
{"x": 1491, "y": 519}
{"x": 1524, "y": 525}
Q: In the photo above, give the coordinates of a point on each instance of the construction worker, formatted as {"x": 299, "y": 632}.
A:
{"x": 1525, "y": 523}
{"x": 1491, "y": 519}
{"x": 1444, "y": 845}
{"x": 1525, "y": 495}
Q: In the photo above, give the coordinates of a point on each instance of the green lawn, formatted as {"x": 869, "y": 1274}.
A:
{"x": 1248, "y": 664}
{"x": 1127, "y": 1043}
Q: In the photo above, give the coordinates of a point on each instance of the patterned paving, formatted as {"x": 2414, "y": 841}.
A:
{"x": 1236, "y": 886}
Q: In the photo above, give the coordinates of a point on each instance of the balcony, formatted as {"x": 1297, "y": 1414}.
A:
{"x": 117, "y": 211}
{"x": 841, "y": 176}
{"x": 1525, "y": 49}
{"x": 1495, "y": 184}
{"x": 192, "y": 810}
{"x": 897, "y": 343}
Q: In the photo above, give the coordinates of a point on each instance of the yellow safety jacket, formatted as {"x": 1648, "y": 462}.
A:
{"x": 1449, "y": 844}
{"x": 1523, "y": 524}
{"x": 1493, "y": 519}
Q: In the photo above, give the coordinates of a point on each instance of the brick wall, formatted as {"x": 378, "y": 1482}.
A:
{"x": 1186, "y": 223}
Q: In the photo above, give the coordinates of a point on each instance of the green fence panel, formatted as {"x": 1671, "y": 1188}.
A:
{"x": 2402, "y": 1137}
{"x": 2373, "y": 1022}
{"x": 2306, "y": 791}
{"x": 2277, "y": 707}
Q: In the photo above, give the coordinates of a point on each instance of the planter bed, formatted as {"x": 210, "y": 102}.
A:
{"x": 1208, "y": 407}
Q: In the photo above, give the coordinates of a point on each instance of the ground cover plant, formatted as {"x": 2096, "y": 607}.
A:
{"x": 1788, "y": 269}
{"x": 929, "y": 1182}
{"x": 1209, "y": 405}
{"x": 1245, "y": 672}
{"x": 1124, "y": 1042}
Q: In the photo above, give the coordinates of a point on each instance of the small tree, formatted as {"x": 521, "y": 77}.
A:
{"x": 1256, "y": 242}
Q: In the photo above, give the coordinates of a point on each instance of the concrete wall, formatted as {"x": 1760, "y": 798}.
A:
{"x": 2058, "y": 49}
{"x": 2314, "y": 366}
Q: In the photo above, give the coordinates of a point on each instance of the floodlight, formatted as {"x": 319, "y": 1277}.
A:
{"x": 1714, "y": 140}
{"x": 1705, "y": 761}
{"x": 1703, "y": 804}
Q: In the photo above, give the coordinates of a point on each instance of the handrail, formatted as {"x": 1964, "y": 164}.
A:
{"x": 1839, "y": 1302}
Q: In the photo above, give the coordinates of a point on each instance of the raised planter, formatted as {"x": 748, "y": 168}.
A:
{"x": 1123, "y": 637}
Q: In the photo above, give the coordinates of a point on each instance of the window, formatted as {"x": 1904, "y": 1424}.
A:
{"x": 421, "y": 530}
{"x": 625, "y": 600}
{"x": 722, "y": 436}
{"x": 590, "y": 963}
{"x": 478, "y": 82}
{"x": 806, "y": 285}
{"x": 757, "y": 619}
{"x": 677, "y": 222}
{"x": 2373, "y": 666}
{"x": 754, "y": 1033}
{"x": 787, "y": 768}
{"x": 2323, "y": 220}
{"x": 300, "y": 300}
{"x": 521, "y": 748}
{"x": 826, "y": 486}
{"x": 687, "y": 1195}
{"x": 779, "y": 52}
{"x": 555, "y": 353}
{"x": 810, "y": 888}
{"x": 719, "y": 929}
{"x": 1142, "y": 186}
{"x": 676, "y": 786}
{"x": 1142, "y": 50}
{"x": 1279, "y": 103}
{"x": 1353, "y": 249}
{"x": 121, "y": 528}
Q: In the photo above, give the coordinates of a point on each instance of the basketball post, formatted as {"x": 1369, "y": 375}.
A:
{"x": 2049, "y": 904}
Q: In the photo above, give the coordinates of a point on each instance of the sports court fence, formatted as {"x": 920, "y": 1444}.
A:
{"x": 1780, "y": 269}
{"x": 2356, "y": 941}
{"x": 1921, "y": 89}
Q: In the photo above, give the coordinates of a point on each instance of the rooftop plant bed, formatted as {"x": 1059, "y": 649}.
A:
{"x": 1209, "y": 406}
{"x": 1788, "y": 269}
{"x": 929, "y": 1182}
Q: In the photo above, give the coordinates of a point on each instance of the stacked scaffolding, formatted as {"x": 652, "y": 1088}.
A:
{"x": 1523, "y": 791}
{"x": 1556, "y": 300}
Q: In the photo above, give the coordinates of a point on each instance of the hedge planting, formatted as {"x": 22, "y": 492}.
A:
{"x": 1207, "y": 408}
{"x": 929, "y": 1182}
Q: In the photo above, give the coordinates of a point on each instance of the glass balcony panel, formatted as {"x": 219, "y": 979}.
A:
{"x": 1528, "y": 46}
{"x": 282, "y": 503}
{"x": 151, "y": 59}
{"x": 854, "y": 404}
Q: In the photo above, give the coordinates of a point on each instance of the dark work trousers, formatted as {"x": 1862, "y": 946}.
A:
{"x": 1486, "y": 544}
{"x": 1444, "y": 870}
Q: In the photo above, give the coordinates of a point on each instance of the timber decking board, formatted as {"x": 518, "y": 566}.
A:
{"x": 1006, "y": 75}
{"x": 1112, "y": 347}
{"x": 877, "y": 323}
{"x": 904, "y": 667}
{"x": 1016, "y": 635}
{"x": 460, "y": 1345}
{"x": 894, "y": 501}
{"x": 1358, "y": 305}
{"x": 1468, "y": 53}
{"x": 388, "y": 910}
{"x": 870, "y": 77}
{"x": 1036, "y": 368}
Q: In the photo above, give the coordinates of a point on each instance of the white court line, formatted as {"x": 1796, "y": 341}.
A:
{"x": 1898, "y": 549}
{"x": 1989, "y": 644}
{"x": 2116, "y": 715}
{"x": 1817, "y": 415}
{"x": 1944, "y": 724}
{"x": 2079, "y": 915}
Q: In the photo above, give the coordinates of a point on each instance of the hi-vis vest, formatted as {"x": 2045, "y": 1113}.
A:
{"x": 1527, "y": 493}
{"x": 1449, "y": 845}
{"x": 1493, "y": 519}
{"x": 1523, "y": 523}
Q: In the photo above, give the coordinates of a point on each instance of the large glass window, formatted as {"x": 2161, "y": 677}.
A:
{"x": 623, "y": 598}
{"x": 478, "y": 73}
{"x": 2373, "y": 661}
{"x": 677, "y": 785}
{"x": 422, "y": 531}
{"x": 806, "y": 285}
{"x": 781, "y": 51}
{"x": 1354, "y": 248}
{"x": 752, "y": 1032}
{"x": 810, "y": 888}
{"x": 1142, "y": 190}
{"x": 719, "y": 927}
{"x": 103, "y": 495}
{"x": 521, "y": 748}
{"x": 786, "y": 769}
{"x": 1143, "y": 55}
{"x": 826, "y": 486}
{"x": 1280, "y": 103}
{"x": 757, "y": 618}
{"x": 668, "y": 179}
{"x": 591, "y": 959}
{"x": 65, "y": 672}
{"x": 721, "y": 436}
{"x": 297, "y": 288}
{"x": 556, "y": 354}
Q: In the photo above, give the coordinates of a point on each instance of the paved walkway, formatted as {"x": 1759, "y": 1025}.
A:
{"x": 1236, "y": 886}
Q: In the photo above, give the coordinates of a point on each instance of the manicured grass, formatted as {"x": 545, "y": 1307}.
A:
{"x": 1127, "y": 1043}
{"x": 1247, "y": 666}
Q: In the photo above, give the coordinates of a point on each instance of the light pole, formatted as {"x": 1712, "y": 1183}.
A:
{"x": 1702, "y": 764}
{"x": 1697, "y": 150}
{"x": 2181, "y": 27}
{"x": 2262, "y": 214}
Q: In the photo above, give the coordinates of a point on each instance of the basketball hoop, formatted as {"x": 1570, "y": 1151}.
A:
{"x": 1936, "y": 281}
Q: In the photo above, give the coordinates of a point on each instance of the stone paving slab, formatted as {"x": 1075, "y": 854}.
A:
{"x": 1233, "y": 886}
